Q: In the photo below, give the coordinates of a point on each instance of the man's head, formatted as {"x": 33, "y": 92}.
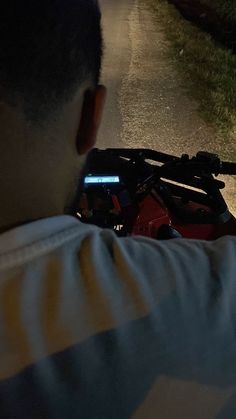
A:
{"x": 50, "y": 102}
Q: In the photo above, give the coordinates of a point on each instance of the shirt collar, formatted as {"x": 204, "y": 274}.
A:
{"x": 32, "y": 232}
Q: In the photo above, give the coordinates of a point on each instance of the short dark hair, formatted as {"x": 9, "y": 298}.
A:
{"x": 47, "y": 49}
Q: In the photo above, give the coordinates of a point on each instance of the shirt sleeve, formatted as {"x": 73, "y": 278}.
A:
{"x": 189, "y": 290}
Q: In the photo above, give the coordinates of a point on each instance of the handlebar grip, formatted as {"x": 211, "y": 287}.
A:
{"x": 228, "y": 168}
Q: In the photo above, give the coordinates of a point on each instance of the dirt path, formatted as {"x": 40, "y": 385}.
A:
{"x": 152, "y": 106}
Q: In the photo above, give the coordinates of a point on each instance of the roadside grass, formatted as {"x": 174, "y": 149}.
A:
{"x": 208, "y": 70}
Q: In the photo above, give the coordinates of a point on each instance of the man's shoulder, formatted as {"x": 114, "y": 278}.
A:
{"x": 63, "y": 237}
{"x": 81, "y": 281}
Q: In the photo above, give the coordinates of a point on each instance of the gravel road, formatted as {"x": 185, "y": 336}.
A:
{"x": 147, "y": 105}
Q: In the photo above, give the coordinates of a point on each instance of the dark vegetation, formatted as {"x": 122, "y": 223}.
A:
{"x": 208, "y": 68}
{"x": 217, "y": 17}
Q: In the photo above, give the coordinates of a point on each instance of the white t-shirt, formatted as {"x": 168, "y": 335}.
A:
{"x": 96, "y": 327}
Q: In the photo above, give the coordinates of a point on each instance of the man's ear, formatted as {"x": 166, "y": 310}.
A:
{"x": 91, "y": 117}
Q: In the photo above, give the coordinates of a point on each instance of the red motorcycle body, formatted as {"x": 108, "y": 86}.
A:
{"x": 156, "y": 192}
{"x": 153, "y": 214}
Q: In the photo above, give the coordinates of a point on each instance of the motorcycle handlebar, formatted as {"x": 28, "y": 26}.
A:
{"x": 203, "y": 161}
{"x": 228, "y": 168}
